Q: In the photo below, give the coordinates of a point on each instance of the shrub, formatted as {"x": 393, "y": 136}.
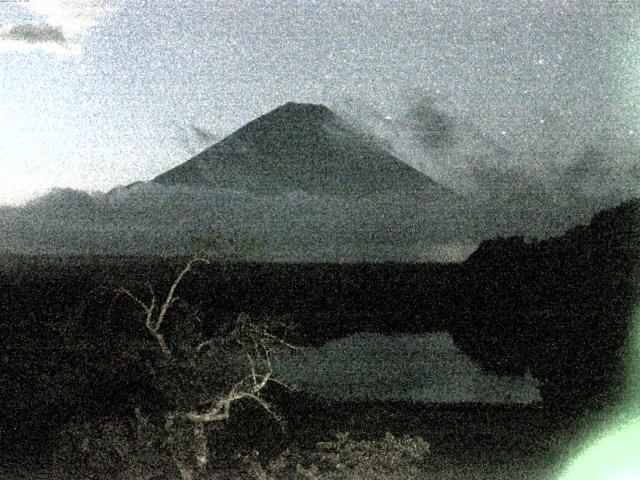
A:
{"x": 113, "y": 447}
{"x": 345, "y": 458}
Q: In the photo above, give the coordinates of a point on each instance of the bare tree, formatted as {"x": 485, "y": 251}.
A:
{"x": 191, "y": 371}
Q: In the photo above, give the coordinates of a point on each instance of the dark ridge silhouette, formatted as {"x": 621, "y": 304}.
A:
{"x": 559, "y": 307}
{"x": 300, "y": 147}
{"x": 62, "y": 201}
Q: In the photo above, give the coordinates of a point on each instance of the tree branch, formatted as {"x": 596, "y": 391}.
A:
{"x": 149, "y": 324}
{"x": 170, "y": 298}
{"x": 124, "y": 291}
{"x": 206, "y": 343}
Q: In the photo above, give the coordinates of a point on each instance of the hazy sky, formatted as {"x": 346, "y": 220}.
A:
{"x": 95, "y": 94}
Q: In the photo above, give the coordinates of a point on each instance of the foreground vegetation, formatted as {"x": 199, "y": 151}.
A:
{"x": 158, "y": 396}
{"x": 130, "y": 450}
{"x": 196, "y": 381}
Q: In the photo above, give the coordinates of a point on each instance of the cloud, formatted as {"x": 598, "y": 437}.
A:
{"x": 434, "y": 127}
{"x": 597, "y": 173}
{"x": 74, "y": 16}
{"x": 535, "y": 193}
{"x": 449, "y": 252}
{"x": 30, "y": 33}
{"x": 292, "y": 226}
{"x": 29, "y": 37}
{"x": 194, "y": 138}
{"x": 443, "y": 145}
{"x": 591, "y": 162}
{"x": 61, "y": 28}
{"x": 204, "y": 136}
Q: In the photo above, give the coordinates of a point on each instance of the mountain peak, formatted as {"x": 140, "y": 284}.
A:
{"x": 316, "y": 108}
{"x": 307, "y": 112}
{"x": 289, "y": 120}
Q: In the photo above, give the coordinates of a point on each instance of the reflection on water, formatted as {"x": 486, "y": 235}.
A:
{"x": 420, "y": 368}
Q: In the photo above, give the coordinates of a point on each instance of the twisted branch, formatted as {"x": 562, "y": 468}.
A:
{"x": 153, "y": 324}
{"x": 257, "y": 344}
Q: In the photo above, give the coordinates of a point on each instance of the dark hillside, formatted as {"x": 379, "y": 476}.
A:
{"x": 560, "y": 307}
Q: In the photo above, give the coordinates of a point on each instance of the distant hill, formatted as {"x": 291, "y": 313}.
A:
{"x": 301, "y": 147}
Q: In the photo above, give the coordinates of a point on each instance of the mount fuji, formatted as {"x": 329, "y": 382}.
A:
{"x": 296, "y": 184}
{"x": 302, "y": 147}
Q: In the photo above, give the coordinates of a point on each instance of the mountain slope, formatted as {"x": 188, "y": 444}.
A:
{"x": 300, "y": 147}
